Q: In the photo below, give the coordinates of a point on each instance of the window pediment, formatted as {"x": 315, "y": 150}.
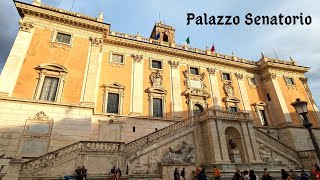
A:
{"x": 115, "y": 85}
{"x": 52, "y": 67}
{"x": 231, "y": 99}
{"x": 156, "y": 91}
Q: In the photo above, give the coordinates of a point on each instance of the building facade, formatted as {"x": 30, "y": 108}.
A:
{"x": 70, "y": 79}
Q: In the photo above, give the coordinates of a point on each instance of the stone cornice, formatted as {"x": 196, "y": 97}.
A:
{"x": 282, "y": 66}
{"x": 178, "y": 52}
{"x": 61, "y": 16}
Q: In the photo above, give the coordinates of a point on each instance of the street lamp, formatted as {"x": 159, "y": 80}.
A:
{"x": 301, "y": 108}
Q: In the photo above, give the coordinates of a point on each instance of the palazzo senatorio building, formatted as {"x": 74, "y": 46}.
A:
{"x": 73, "y": 92}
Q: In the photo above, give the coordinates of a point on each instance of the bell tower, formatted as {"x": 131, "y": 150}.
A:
{"x": 163, "y": 33}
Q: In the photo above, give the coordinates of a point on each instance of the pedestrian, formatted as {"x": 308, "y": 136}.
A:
{"x": 113, "y": 173}
{"x": 252, "y": 176}
{"x": 304, "y": 175}
{"x": 216, "y": 173}
{"x": 237, "y": 175}
{"x": 202, "y": 175}
{"x": 266, "y": 175}
{"x": 176, "y": 174}
{"x": 84, "y": 172}
{"x": 285, "y": 175}
{"x": 246, "y": 175}
{"x": 78, "y": 173}
{"x": 183, "y": 174}
{"x": 118, "y": 174}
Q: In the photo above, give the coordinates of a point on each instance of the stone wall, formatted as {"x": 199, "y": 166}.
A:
{"x": 61, "y": 126}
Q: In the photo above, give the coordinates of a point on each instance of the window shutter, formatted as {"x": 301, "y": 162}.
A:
{"x": 113, "y": 103}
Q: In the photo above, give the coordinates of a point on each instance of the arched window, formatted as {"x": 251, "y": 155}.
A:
{"x": 51, "y": 82}
{"x": 197, "y": 109}
{"x": 165, "y": 37}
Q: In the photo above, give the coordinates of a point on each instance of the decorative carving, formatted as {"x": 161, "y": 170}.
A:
{"x": 239, "y": 75}
{"x": 304, "y": 81}
{"x": 186, "y": 74}
{"x": 96, "y": 41}
{"x": 156, "y": 79}
{"x": 202, "y": 75}
{"x": 25, "y": 26}
{"x": 41, "y": 116}
{"x": 211, "y": 70}
{"x": 265, "y": 154}
{"x": 185, "y": 154}
{"x": 137, "y": 58}
{"x": 174, "y": 64}
{"x": 229, "y": 90}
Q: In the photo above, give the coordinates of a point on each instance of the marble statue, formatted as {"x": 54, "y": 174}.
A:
{"x": 264, "y": 154}
{"x": 184, "y": 154}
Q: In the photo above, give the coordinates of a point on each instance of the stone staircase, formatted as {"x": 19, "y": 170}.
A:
{"x": 277, "y": 146}
{"x": 68, "y": 152}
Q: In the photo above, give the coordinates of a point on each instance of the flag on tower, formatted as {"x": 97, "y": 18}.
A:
{"x": 158, "y": 36}
{"x": 212, "y": 48}
{"x": 188, "y": 40}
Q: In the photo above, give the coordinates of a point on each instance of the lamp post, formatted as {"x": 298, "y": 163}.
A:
{"x": 301, "y": 108}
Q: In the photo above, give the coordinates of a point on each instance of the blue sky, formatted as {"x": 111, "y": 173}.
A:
{"x": 299, "y": 42}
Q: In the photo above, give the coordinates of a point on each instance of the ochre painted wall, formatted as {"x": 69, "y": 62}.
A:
{"x": 40, "y": 51}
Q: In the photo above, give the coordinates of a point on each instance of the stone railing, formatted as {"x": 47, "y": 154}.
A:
{"x": 82, "y": 146}
{"x": 162, "y": 133}
{"x": 306, "y": 154}
{"x": 228, "y": 115}
{"x": 276, "y": 143}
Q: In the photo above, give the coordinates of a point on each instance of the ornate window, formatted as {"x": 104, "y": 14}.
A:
{"x": 118, "y": 58}
{"x": 289, "y": 81}
{"x": 113, "y": 98}
{"x": 62, "y": 37}
{"x": 194, "y": 70}
{"x": 156, "y": 95}
{"x": 50, "y": 82}
{"x": 261, "y": 112}
{"x": 156, "y": 64}
{"x": 226, "y": 77}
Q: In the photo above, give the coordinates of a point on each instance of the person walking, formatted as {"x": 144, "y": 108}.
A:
{"x": 266, "y": 175}
{"x": 84, "y": 172}
{"x": 113, "y": 173}
{"x": 304, "y": 175}
{"x": 237, "y": 175}
{"x": 183, "y": 174}
{"x": 216, "y": 173}
{"x": 78, "y": 173}
{"x": 118, "y": 174}
{"x": 252, "y": 176}
{"x": 246, "y": 175}
{"x": 176, "y": 174}
{"x": 285, "y": 175}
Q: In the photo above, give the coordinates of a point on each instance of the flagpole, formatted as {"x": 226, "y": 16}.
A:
{"x": 72, "y": 5}
{"x": 275, "y": 53}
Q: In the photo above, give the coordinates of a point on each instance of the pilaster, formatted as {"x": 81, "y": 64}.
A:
{"x": 244, "y": 94}
{"x": 215, "y": 93}
{"x": 137, "y": 84}
{"x": 175, "y": 89}
{"x": 91, "y": 78}
{"x": 12, "y": 67}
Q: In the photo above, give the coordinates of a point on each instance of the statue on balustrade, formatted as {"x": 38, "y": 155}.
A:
{"x": 185, "y": 154}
